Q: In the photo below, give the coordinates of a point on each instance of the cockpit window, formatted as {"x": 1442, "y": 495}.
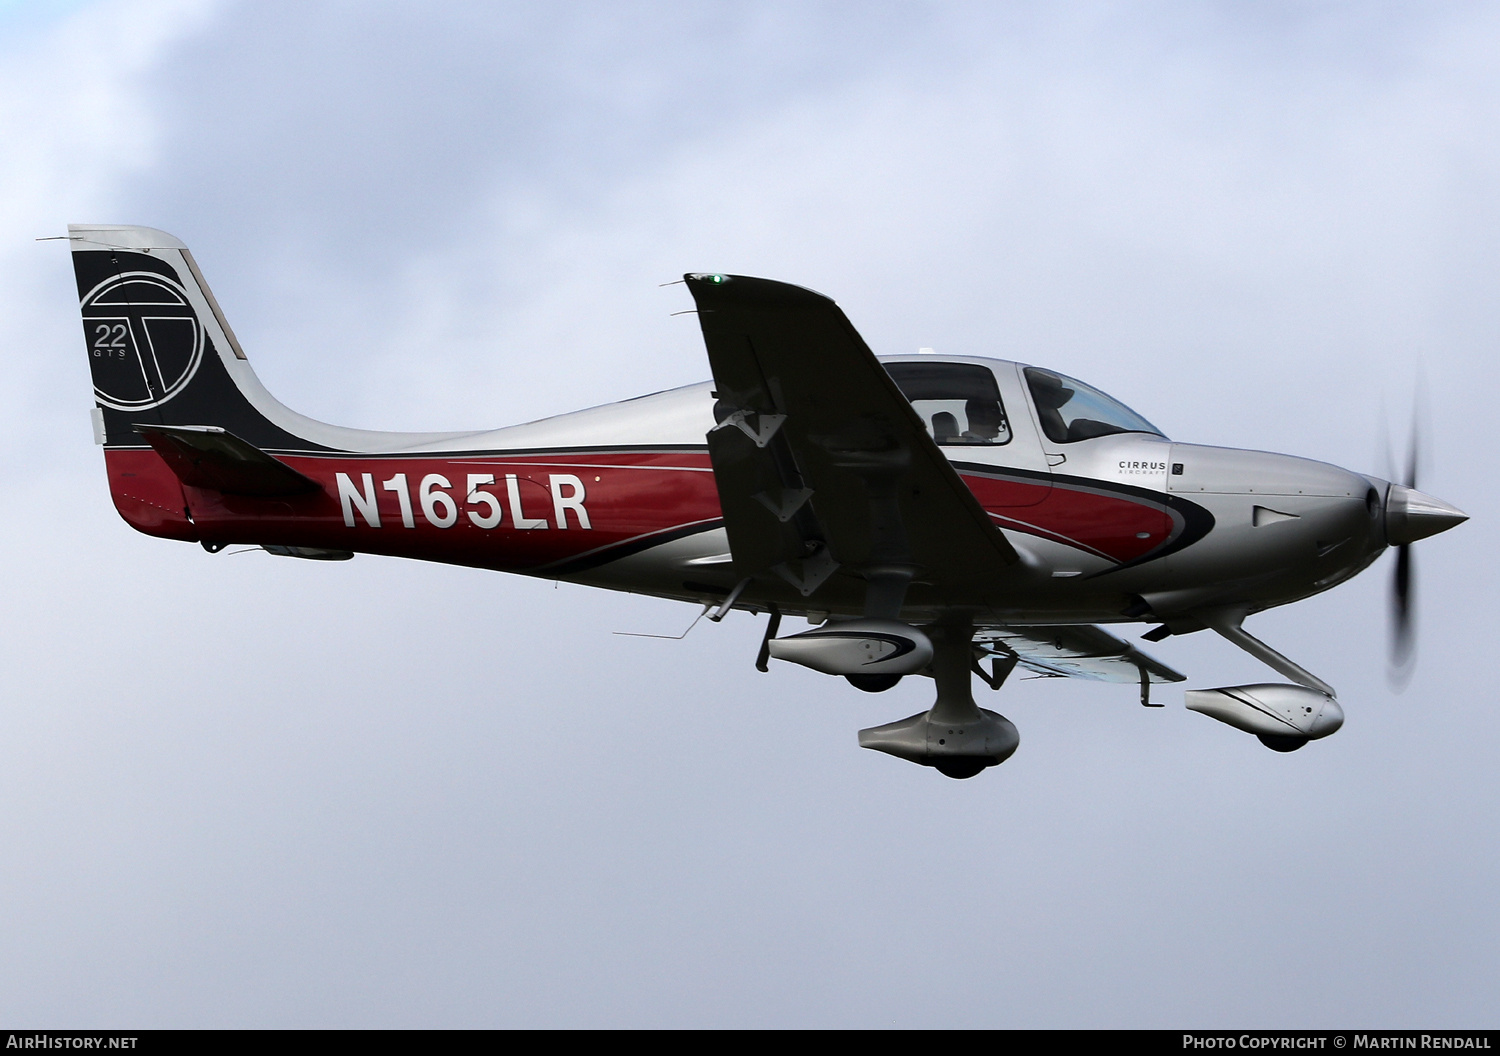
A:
{"x": 958, "y": 402}
{"x": 1070, "y": 410}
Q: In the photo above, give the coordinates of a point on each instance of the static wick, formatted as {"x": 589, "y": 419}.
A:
{"x": 668, "y": 637}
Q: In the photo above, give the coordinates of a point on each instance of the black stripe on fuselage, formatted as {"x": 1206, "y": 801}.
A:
{"x": 615, "y": 551}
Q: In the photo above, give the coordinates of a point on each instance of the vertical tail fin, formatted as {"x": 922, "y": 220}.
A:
{"x": 165, "y": 361}
{"x": 160, "y": 350}
{"x": 162, "y": 355}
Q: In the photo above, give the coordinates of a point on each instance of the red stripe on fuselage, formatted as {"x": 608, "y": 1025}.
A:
{"x": 623, "y": 496}
{"x": 1112, "y": 525}
{"x": 627, "y": 495}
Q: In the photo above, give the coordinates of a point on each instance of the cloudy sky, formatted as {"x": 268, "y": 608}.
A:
{"x": 237, "y": 790}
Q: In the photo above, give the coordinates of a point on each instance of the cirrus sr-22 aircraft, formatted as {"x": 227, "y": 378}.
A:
{"x": 952, "y": 517}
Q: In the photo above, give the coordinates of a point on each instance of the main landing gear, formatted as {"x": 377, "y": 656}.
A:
{"x": 955, "y": 737}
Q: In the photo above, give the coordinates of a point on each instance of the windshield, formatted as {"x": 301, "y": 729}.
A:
{"x": 1070, "y": 411}
{"x": 959, "y": 402}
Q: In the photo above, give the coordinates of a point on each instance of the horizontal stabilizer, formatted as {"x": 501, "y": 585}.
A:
{"x": 206, "y": 456}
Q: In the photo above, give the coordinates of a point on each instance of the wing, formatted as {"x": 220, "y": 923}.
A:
{"x": 819, "y": 459}
{"x": 1075, "y": 652}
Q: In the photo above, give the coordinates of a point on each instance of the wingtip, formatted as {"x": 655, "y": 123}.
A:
{"x": 748, "y": 288}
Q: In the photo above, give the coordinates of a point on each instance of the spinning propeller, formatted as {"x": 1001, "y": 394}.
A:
{"x": 1410, "y": 515}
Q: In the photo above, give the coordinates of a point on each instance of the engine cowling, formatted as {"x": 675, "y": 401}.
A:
{"x": 857, "y": 647}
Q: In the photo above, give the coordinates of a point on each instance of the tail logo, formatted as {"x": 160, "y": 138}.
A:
{"x": 145, "y": 341}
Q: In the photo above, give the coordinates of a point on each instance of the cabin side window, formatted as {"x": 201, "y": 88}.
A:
{"x": 958, "y": 402}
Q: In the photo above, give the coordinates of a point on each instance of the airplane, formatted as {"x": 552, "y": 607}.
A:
{"x": 953, "y": 517}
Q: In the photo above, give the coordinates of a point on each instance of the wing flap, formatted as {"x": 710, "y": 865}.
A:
{"x": 763, "y": 498}
{"x": 1075, "y": 652}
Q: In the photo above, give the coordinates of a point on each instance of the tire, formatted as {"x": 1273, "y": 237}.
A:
{"x": 873, "y": 683}
{"x": 961, "y": 767}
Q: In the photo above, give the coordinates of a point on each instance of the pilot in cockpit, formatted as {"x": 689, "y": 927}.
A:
{"x": 986, "y": 421}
